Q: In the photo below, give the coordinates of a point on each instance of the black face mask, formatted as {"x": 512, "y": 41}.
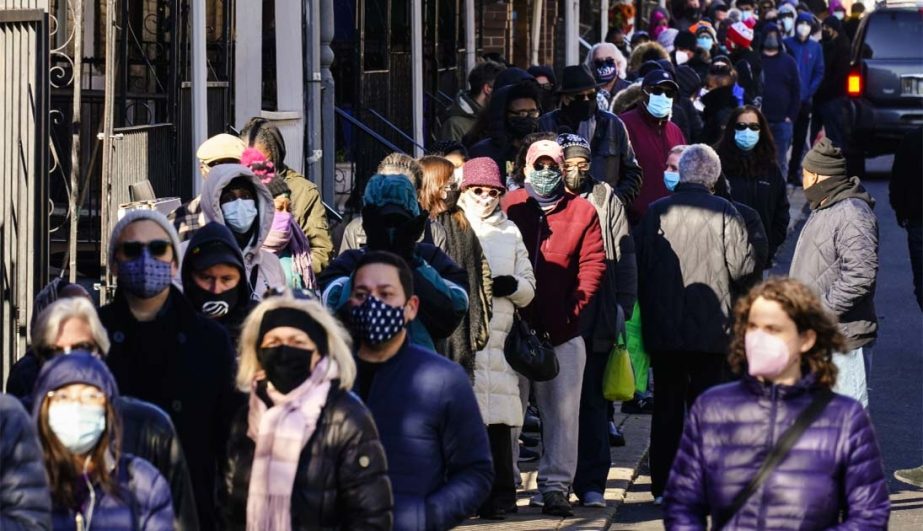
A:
{"x": 213, "y": 305}
{"x": 286, "y": 367}
{"x": 451, "y": 199}
{"x": 521, "y": 126}
{"x": 579, "y": 110}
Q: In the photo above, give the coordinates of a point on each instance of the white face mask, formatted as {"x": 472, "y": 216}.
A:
{"x": 803, "y": 30}
{"x": 481, "y": 206}
{"x": 681, "y": 57}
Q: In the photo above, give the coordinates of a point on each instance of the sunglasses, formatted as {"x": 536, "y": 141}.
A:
{"x": 603, "y": 62}
{"x": 546, "y": 86}
{"x": 539, "y": 166}
{"x": 741, "y": 126}
{"x": 492, "y": 192}
{"x": 534, "y": 113}
{"x": 662, "y": 91}
{"x": 132, "y": 250}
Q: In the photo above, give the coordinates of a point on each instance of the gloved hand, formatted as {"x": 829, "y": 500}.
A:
{"x": 407, "y": 234}
{"x": 505, "y": 285}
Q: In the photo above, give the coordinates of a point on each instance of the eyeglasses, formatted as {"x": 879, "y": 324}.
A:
{"x": 582, "y": 97}
{"x": 528, "y": 113}
{"x": 662, "y": 91}
{"x": 88, "y": 397}
{"x": 581, "y": 166}
{"x": 546, "y": 86}
{"x": 492, "y": 192}
{"x": 132, "y": 250}
{"x": 740, "y": 126}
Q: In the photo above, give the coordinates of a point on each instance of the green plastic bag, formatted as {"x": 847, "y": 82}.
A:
{"x": 640, "y": 361}
{"x": 618, "y": 379}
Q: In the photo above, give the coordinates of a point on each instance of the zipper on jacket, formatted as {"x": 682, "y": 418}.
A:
{"x": 773, "y": 411}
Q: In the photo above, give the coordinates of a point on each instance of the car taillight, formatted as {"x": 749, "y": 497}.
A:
{"x": 854, "y": 83}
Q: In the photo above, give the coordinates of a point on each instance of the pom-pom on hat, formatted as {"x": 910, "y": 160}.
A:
{"x": 481, "y": 171}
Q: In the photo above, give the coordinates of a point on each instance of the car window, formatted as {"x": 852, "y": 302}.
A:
{"x": 894, "y": 35}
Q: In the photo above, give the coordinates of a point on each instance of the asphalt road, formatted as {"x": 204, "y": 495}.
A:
{"x": 896, "y": 393}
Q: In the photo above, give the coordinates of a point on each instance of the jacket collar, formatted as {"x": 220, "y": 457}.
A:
{"x": 785, "y": 392}
{"x": 695, "y": 188}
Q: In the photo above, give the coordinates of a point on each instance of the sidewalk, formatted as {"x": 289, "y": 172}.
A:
{"x": 625, "y": 463}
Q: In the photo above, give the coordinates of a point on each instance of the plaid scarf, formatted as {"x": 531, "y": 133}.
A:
{"x": 281, "y": 433}
{"x": 286, "y": 234}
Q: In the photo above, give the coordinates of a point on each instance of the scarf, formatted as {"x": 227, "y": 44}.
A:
{"x": 547, "y": 203}
{"x": 832, "y": 190}
{"x": 281, "y": 433}
{"x": 286, "y": 234}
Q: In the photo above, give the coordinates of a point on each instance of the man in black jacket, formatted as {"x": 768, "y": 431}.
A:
{"x": 511, "y": 115}
{"x": 613, "y": 157}
{"x": 906, "y": 189}
{"x": 830, "y": 98}
{"x": 165, "y": 353}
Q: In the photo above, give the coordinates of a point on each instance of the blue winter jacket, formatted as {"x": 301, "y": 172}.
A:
{"x": 810, "y": 58}
{"x": 831, "y": 479}
{"x": 429, "y": 423}
{"x": 25, "y": 503}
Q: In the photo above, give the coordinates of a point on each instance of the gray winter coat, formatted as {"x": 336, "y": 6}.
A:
{"x": 837, "y": 256}
{"x": 693, "y": 254}
{"x": 25, "y": 500}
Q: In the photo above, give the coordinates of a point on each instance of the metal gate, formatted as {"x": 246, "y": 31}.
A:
{"x": 23, "y": 168}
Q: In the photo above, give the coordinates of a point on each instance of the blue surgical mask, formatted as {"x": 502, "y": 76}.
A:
{"x": 704, "y": 43}
{"x": 746, "y": 139}
{"x": 239, "y": 214}
{"x": 145, "y": 276}
{"x": 788, "y": 23}
{"x": 839, "y": 14}
{"x": 77, "y": 426}
{"x": 659, "y": 106}
{"x": 746, "y": 14}
{"x": 670, "y": 179}
{"x": 546, "y": 181}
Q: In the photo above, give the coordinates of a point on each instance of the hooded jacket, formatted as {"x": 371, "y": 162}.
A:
{"x": 810, "y": 59}
{"x": 269, "y": 273}
{"x": 215, "y": 233}
{"x": 836, "y": 64}
{"x": 498, "y": 144}
{"x": 831, "y": 479}
{"x": 837, "y": 256}
{"x": 145, "y": 502}
{"x": 462, "y": 115}
{"x": 614, "y": 159}
{"x": 24, "y": 500}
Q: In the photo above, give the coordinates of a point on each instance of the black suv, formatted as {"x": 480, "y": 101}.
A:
{"x": 885, "y": 84}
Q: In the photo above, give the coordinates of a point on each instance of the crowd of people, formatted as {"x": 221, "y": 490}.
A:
{"x": 246, "y": 375}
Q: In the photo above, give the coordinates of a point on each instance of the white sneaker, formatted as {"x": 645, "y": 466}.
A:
{"x": 537, "y": 500}
{"x": 593, "y": 499}
{"x": 658, "y": 500}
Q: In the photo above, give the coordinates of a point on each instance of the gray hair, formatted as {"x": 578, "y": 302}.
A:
{"x": 677, "y": 150}
{"x": 48, "y": 325}
{"x": 620, "y": 62}
{"x": 699, "y": 164}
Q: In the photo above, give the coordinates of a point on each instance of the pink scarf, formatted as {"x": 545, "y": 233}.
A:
{"x": 281, "y": 433}
{"x": 286, "y": 234}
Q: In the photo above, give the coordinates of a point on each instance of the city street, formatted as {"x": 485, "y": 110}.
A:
{"x": 896, "y": 383}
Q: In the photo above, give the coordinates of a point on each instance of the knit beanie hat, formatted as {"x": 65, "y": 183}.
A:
{"x": 704, "y": 27}
{"x": 394, "y": 190}
{"x": 481, "y": 171}
{"x": 825, "y": 159}
{"x": 684, "y": 40}
{"x": 574, "y": 146}
{"x": 688, "y": 80}
{"x": 740, "y": 34}
{"x": 138, "y": 215}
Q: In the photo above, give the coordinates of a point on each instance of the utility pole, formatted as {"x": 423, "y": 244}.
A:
{"x": 471, "y": 46}
{"x": 571, "y": 32}
{"x": 312, "y": 94}
{"x": 328, "y": 119}
{"x": 106, "y": 188}
{"x": 536, "y": 30}
{"x": 199, "y": 90}
{"x": 416, "y": 73}
{"x": 75, "y": 143}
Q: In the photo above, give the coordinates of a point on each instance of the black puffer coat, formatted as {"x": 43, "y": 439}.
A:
{"x": 25, "y": 501}
{"x": 693, "y": 254}
{"x": 765, "y": 192}
{"x": 342, "y": 480}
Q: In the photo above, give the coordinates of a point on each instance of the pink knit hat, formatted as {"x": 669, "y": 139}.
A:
{"x": 545, "y": 148}
{"x": 481, "y": 171}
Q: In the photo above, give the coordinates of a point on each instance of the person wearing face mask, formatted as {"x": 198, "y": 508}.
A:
{"x": 304, "y": 452}
{"x": 393, "y": 221}
{"x": 423, "y": 404}
{"x": 94, "y": 485}
{"x": 614, "y": 159}
{"x": 469, "y": 103}
{"x": 547, "y": 82}
{"x": 496, "y": 384}
{"x": 236, "y": 198}
{"x": 693, "y": 254}
{"x": 685, "y": 13}
{"x": 603, "y": 320}
{"x": 746, "y": 61}
{"x": 782, "y": 347}
{"x": 652, "y": 135}
{"x": 71, "y": 324}
{"x": 608, "y": 65}
{"x": 837, "y": 256}
{"x": 851, "y": 24}
{"x": 214, "y": 278}
{"x": 782, "y": 94}
{"x": 756, "y": 235}
{"x": 564, "y": 239}
{"x": 705, "y": 38}
{"x": 830, "y": 98}
{"x": 748, "y": 156}
{"x": 810, "y": 60}
{"x": 684, "y": 48}
{"x": 512, "y": 114}
{"x": 159, "y": 341}
{"x": 786, "y": 20}
{"x": 439, "y": 195}
{"x": 24, "y": 494}
{"x": 747, "y": 10}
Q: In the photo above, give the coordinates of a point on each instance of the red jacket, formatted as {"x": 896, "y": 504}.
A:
{"x": 570, "y": 268}
{"x": 652, "y": 140}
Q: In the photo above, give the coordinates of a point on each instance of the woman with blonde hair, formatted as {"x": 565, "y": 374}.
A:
{"x": 778, "y": 449}
{"x": 304, "y": 453}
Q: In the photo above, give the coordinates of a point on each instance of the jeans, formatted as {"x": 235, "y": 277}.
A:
{"x": 782, "y": 134}
{"x": 503, "y": 492}
{"x": 593, "y": 457}
{"x": 915, "y": 245}
{"x": 799, "y": 142}
{"x": 679, "y": 378}
{"x": 853, "y": 368}
{"x": 558, "y": 402}
{"x": 829, "y": 115}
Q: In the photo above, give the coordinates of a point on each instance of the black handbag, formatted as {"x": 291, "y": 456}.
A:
{"x": 527, "y": 352}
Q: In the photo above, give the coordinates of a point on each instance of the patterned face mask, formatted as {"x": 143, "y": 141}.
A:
{"x": 376, "y": 321}
{"x": 546, "y": 181}
{"x": 145, "y": 276}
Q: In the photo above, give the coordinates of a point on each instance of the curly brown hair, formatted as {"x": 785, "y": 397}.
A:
{"x": 805, "y": 309}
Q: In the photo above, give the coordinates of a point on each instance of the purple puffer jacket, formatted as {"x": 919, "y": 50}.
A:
{"x": 834, "y": 469}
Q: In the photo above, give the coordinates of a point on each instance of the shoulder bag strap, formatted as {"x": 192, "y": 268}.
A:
{"x": 776, "y": 455}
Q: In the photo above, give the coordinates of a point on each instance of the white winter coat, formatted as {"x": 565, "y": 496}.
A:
{"x": 496, "y": 384}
